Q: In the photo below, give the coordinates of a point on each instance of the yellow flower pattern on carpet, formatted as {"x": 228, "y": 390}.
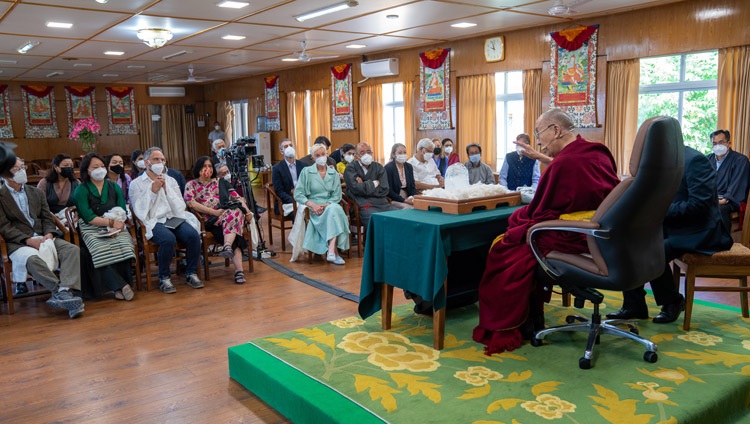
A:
{"x": 548, "y": 406}
{"x": 391, "y": 351}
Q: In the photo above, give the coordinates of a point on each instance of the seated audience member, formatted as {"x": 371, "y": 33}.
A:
{"x": 157, "y": 201}
{"x": 426, "y": 174}
{"x": 25, "y": 223}
{"x": 338, "y": 154}
{"x": 449, "y": 151}
{"x": 401, "y": 188}
{"x": 519, "y": 170}
{"x": 309, "y": 160}
{"x": 692, "y": 224}
{"x": 732, "y": 171}
{"x": 439, "y": 156}
{"x": 224, "y": 210}
{"x": 137, "y": 165}
{"x": 581, "y": 175}
{"x": 117, "y": 173}
{"x": 479, "y": 172}
{"x": 178, "y": 177}
{"x": 217, "y": 154}
{"x": 347, "y": 157}
{"x": 59, "y": 183}
{"x": 319, "y": 188}
{"x": 217, "y": 133}
{"x": 284, "y": 178}
{"x": 367, "y": 183}
{"x": 104, "y": 260}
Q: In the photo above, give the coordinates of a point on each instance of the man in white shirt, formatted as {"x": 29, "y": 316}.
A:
{"x": 426, "y": 173}
{"x": 156, "y": 199}
{"x": 217, "y": 133}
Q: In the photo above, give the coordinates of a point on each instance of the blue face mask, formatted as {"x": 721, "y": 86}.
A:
{"x": 475, "y": 158}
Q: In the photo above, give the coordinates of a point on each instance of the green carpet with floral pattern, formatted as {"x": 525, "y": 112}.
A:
{"x": 350, "y": 370}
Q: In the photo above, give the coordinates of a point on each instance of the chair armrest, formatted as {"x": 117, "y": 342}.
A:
{"x": 62, "y": 227}
{"x": 582, "y": 227}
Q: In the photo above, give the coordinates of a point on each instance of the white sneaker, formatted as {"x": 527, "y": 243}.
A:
{"x": 166, "y": 286}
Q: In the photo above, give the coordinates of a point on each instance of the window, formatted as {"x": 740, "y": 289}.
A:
{"x": 394, "y": 129}
{"x": 240, "y": 122}
{"x": 509, "y": 89}
{"x": 683, "y": 87}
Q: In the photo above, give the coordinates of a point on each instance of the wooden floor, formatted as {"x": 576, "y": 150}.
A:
{"x": 163, "y": 358}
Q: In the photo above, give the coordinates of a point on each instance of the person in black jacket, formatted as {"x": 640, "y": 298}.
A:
{"x": 693, "y": 224}
{"x": 401, "y": 186}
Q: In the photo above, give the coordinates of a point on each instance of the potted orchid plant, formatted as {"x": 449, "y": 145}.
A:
{"x": 86, "y": 131}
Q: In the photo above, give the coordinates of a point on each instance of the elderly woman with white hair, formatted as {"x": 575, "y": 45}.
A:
{"x": 319, "y": 189}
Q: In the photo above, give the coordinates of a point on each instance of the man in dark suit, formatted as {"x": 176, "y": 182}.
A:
{"x": 693, "y": 224}
{"x": 25, "y": 223}
{"x": 284, "y": 177}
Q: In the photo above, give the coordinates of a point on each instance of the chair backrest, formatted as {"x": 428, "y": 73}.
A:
{"x": 633, "y": 213}
{"x": 71, "y": 219}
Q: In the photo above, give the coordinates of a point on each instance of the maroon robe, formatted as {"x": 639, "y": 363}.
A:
{"x": 578, "y": 179}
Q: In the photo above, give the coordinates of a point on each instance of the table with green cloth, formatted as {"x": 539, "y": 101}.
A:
{"x": 409, "y": 249}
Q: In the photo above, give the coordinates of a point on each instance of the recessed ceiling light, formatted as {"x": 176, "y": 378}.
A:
{"x": 12, "y": 62}
{"x": 65, "y": 25}
{"x": 55, "y": 74}
{"x": 356, "y": 46}
{"x": 26, "y": 47}
{"x": 81, "y": 65}
{"x": 463, "y": 25}
{"x": 136, "y": 66}
{"x": 113, "y": 53}
{"x": 391, "y": 16}
{"x": 110, "y": 75}
{"x": 102, "y": 1}
{"x": 289, "y": 59}
{"x": 325, "y": 10}
{"x": 233, "y": 37}
{"x": 233, "y": 4}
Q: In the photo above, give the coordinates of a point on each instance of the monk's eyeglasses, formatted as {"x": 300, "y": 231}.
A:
{"x": 536, "y": 133}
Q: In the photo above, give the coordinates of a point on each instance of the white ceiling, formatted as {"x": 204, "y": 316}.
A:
{"x": 269, "y": 26}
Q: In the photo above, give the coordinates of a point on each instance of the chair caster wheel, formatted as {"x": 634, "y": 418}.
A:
{"x": 584, "y": 363}
{"x": 536, "y": 342}
{"x": 570, "y": 319}
{"x": 634, "y": 331}
{"x": 650, "y": 357}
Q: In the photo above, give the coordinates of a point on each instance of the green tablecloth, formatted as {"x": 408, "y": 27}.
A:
{"x": 408, "y": 249}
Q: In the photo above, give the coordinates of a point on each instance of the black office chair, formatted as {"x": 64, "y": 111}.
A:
{"x": 624, "y": 237}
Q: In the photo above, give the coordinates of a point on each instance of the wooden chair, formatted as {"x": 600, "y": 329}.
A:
{"x": 208, "y": 239}
{"x": 277, "y": 220}
{"x": 7, "y": 270}
{"x": 355, "y": 223}
{"x": 344, "y": 206}
{"x": 33, "y": 168}
{"x": 731, "y": 264}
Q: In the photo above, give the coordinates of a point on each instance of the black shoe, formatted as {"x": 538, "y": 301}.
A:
{"x": 670, "y": 312}
{"x": 627, "y": 313}
{"x": 21, "y": 288}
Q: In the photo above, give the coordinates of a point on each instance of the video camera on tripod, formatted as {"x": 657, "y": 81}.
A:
{"x": 242, "y": 149}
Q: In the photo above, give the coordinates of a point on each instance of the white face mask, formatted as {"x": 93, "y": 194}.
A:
{"x": 216, "y": 127}
{"x": 720, "y": 149}
{"x": 98, "y": 174}
{"x": 157, "y": 168}
{"x": 520, "y": 150}
{"x": 348, "y": 158}
{"x": 400, "y": 158}
{"x": 427, "y": 155}
{"x": 228, "y": 177}
{"x": 289, "y": 152}
{"x": 366, "y": 159}
{"x": 449, "y": 150}
{"x": 321, "y": 161}
{"x": 20, "y": 177}
{"x": 141, "y": 164}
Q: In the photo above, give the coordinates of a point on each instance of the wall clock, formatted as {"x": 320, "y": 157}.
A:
{"x": 494, "y": 49}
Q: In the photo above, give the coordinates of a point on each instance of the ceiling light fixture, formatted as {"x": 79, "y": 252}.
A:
{"x": 12, "y": 62}
{"x": 154, "y": 37}
{"x": 136, "y": 66}
{"x": 102, "y": 1}
{"x": 55, "y": 74}
{"x": 233, "y": 37}
{"x": 113, "y": 53}
{"x": 110, "y": 75}
{"x": 463, "y": 25}
{"x": 26, "y": 47}
{"x": 82, "y": 65}
{"x": 233, "y": 4}
{"x": 174, "y": 55}
{"x": 326, "y": 10}
{"x": 356, "y": 46}
{"x": 289, "y": 59}
{"x": 66, "y": 25}
{"x": 391, "y": 16}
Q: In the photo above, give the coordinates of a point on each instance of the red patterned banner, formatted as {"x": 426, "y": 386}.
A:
{"x": 81, "y": 104}
{"x": 573, "y": 74}
{"x": 39, "y": 111}
{"x": 273, "y": 118}
{"x": 434, "y": 90}
{"x": 38, "y": 90}
{"x": 434, "y": 58}
{"x": 3, "y": 87}
{"x": 121, "y": 110}
{"x": 79, "y": 90}
{"x": 573, "y": 39}
{"x": 6, "y": 129}
{"x": 119, "y": 92}
{"x": 340, "y": 72}
{"x": 271, "y": 81}
{"x": 342, "y": 113}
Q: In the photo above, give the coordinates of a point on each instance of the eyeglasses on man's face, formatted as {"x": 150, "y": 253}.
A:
{"x": 16, "y": 169}
{"x": 536, "y": 133}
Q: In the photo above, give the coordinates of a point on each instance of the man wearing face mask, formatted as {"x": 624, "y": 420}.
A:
{"x": 732, "y": 174}
{"x": 217, "y": 133}
{"x": 426, "y": 173}
{"x": 367, "y": 183}
{"x": 519, "y": 170}
{"x": 479, "y": 173}
{"x": 157, "y": 201}
{"x": 25, "y": 223}
{"x": 218, "y": 149}
{"x": 284, "y": 178}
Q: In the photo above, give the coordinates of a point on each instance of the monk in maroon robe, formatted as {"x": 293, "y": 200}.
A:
{"x": 581, "y": 175}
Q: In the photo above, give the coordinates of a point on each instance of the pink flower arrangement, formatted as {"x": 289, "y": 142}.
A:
{"x": 86, "y": 131}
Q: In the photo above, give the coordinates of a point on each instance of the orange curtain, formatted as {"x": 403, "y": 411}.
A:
{"x": 532, "y": 99}
{"x": 295, "y": 115}
{"x": 409, "y": 117}
{"x": 621, "y": 124}
{"x": 320, "y": 113}
{"x": 173, "y": 140}
{"x": 254, "y": 109}
{"x": 476, "y": 115}
{"x": 145, "y": 127}
{"x": 229, "y": 119}
{"x": 734, "y": 95}
{"x": 371, "y": 119}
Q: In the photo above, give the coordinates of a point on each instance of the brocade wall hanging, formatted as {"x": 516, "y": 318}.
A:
{"x": 273, "y": 121}
{"x": 573, "y": 73}
{"x": 342, "y": 112}
{"x": 434, "y": 90}
{"x": 39, "y": 111}
{"x": 81, "y": 103}
{"x": 6, "y": 129}
{"x": 121, "y": 110}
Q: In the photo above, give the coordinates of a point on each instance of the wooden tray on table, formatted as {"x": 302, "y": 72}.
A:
{"x": 458, "y": 207}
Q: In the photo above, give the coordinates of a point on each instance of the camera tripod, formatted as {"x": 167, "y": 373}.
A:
{"x": 241, "y": 178}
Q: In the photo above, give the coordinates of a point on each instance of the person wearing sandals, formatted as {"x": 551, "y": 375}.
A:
{"x": 319, "y": 188}
{"x": 106, "y": 248}
{"x": 224, "y": 210}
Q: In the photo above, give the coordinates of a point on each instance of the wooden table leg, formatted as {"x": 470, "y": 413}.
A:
{"x": 438, "y": 322}
{"x": 386, "y": 306}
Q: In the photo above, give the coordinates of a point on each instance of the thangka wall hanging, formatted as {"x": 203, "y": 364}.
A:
{"x": 121, "y": 110}
{"x": 434, "y": 90}
{"x": 6, "y": 129}
{"x": 573, "y": 73}
{"x": 273, "y": 121}
{"x": 81, "y": 104}
{"x": 342, "y": 112}
{"x": 39, "y": 111}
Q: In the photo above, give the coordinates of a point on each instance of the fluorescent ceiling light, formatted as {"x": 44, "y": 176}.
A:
{"x": 81, "y": 65}
{"x": 716, "y": 13}
{"x": 55, "y": 74}
{"x": 102, "y": 1}
{"x": 289, "y": 59}
{"x": 233, "y": 4}
{"x": 463, "y": 25}
{"x": 174, "y": 55}
{"x": 136, "y": 66}
{"x": 65, "y": 25}
{"x": 26, "y": 47}
{"x": 154, "y": 37}
{"x": 233, "y": 37}
{"x": 324, "y": 11}
{"x": 113, "y": 53}
{"x": 12, "y": 62}
{"x": 110, "y": 75}
{"x": 356, "y": 46}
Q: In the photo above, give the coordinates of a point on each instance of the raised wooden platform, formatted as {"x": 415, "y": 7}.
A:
{"x": 457, "y": 207}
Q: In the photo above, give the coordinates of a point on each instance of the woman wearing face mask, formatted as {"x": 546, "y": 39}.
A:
{"x": 106, "y": 248}
{"x": 137, "y": 164}
{"x": 59, "y": 183}
{"x": 438, "y": 155}
{"x": 449, "y": 151}
{"x": 217, "y": 201}
{"x": 117, "y": 173}
{"x": 401, "y": 185}
{"x": 319, "y": 188}
{"x": 347, "y": 157}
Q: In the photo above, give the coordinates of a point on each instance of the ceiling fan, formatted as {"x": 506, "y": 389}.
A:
{"x": 562, "y": 8}
{"x": 192, "y": 77}
{"x": 302, "y": 55}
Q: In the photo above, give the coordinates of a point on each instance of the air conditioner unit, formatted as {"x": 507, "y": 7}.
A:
{"x": 380, "y": 68}
{"x": 166, "y": 91}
